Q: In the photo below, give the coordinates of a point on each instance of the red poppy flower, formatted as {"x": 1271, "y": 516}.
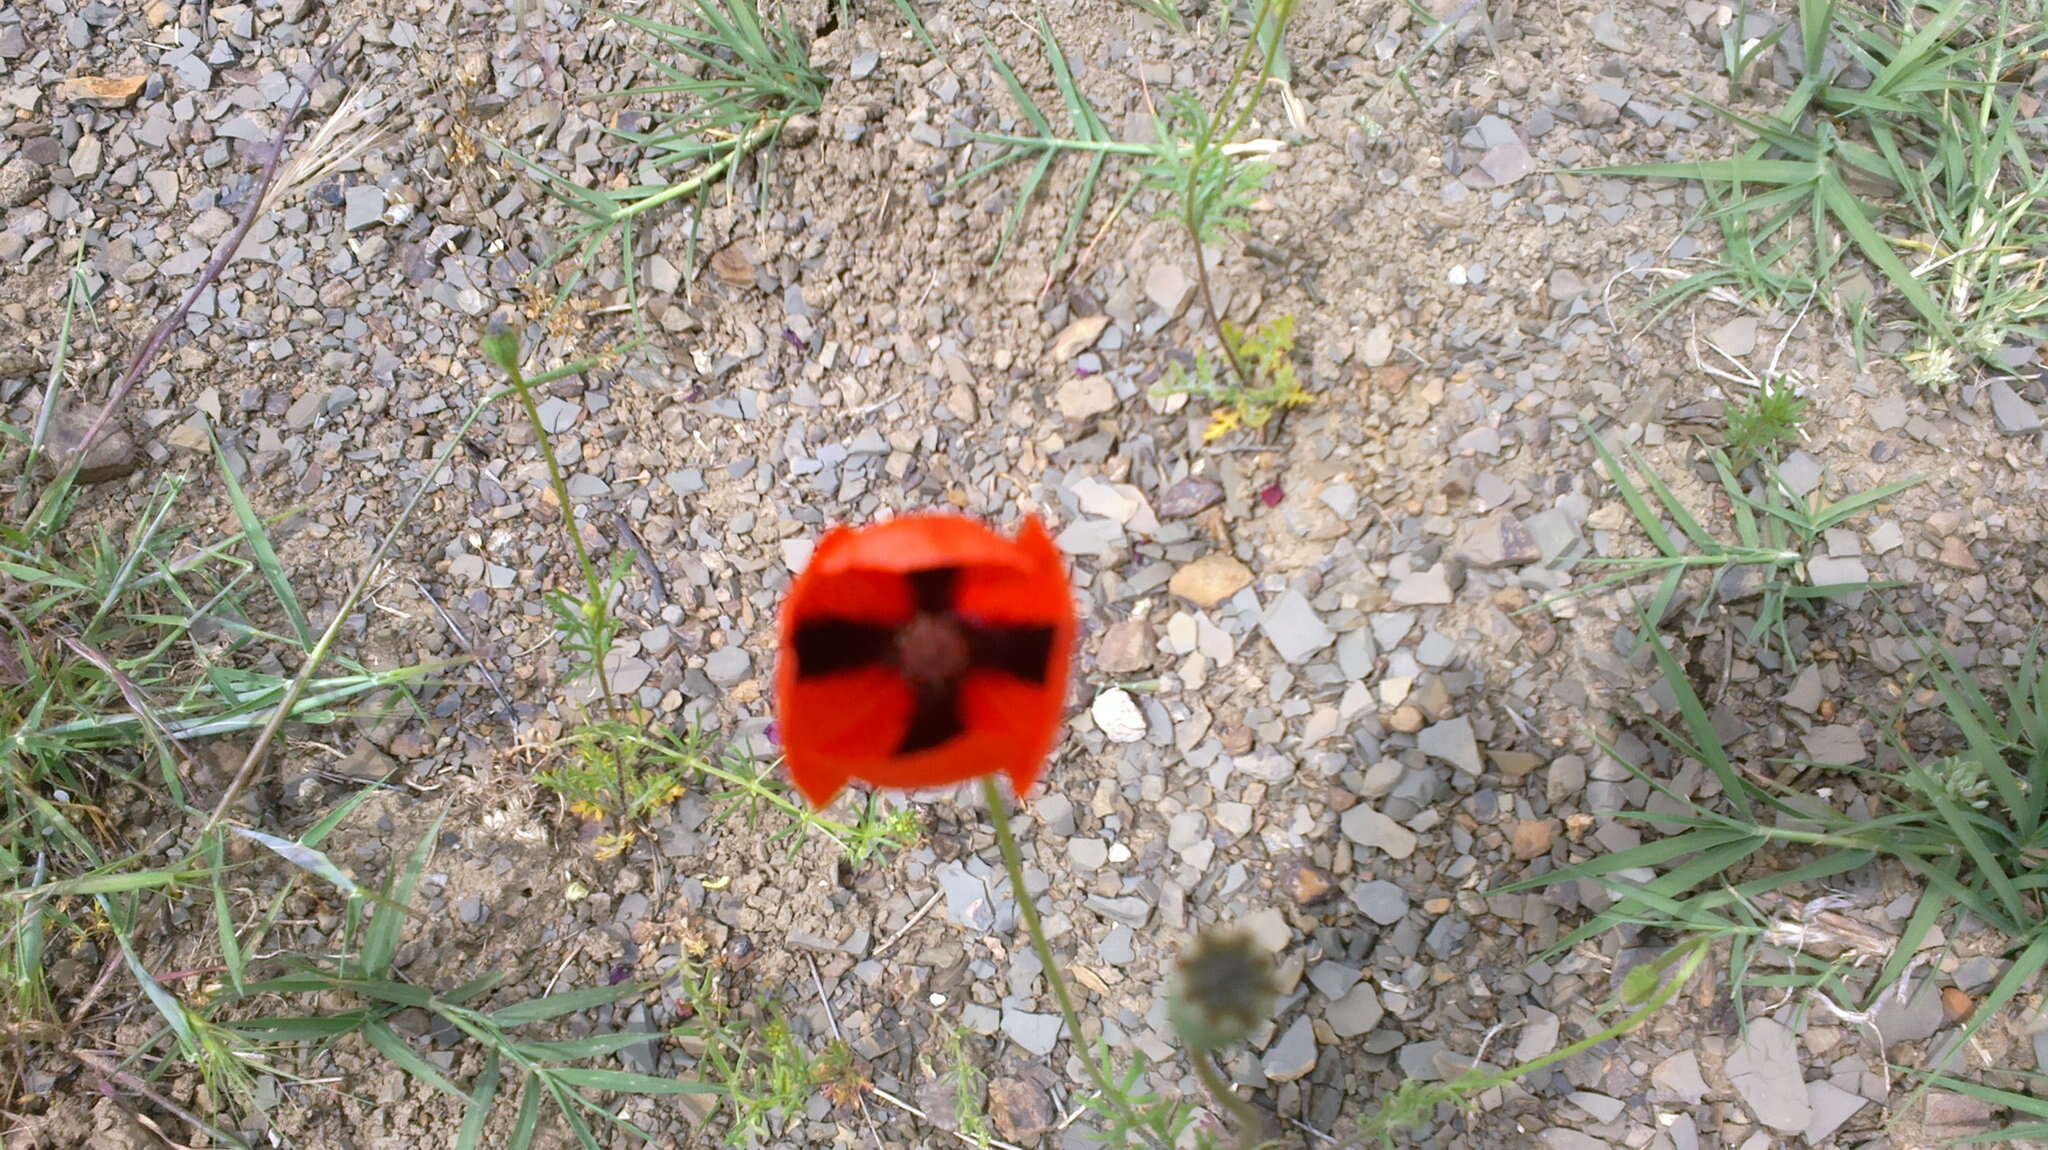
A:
{"x": 924, "y": 650}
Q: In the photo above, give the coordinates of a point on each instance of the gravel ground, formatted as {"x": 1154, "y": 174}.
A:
{"x": 1307, "y": 702}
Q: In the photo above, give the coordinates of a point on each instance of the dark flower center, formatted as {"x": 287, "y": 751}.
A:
{"x": 933, "y": 652}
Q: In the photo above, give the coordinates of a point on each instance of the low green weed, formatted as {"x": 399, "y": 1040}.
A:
{"x": 1762, "y": 421}
{"x": 1645, "y": 990}
{"x": 539, "y": 1071}
{"x": 1965, "y": 814}
{"x": 1039, "y": 147}
{"x": 1776, "y": 532}
{"x": 1207, "y": 180}
{"x": 1930, "y": 173}
{"x": 731, "y": 82}
{"x": 1267, "y": 353}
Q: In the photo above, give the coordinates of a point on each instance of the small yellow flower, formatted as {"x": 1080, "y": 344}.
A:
{"x": 1222, "y": 422}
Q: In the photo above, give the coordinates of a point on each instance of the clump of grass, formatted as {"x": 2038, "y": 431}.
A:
{"x": 616, "y": 765}
{"x": 1929, "y": 173}
{"x": 732, "y": 82}
{"x": 539, "y": 1071}
{"x": 764, "y": 1071}
{"x": 1040, "y": 146}
{"x": 1762, "y": 421}
{"x": 1776, "y": 532}
{"x": 1966, "y": 814}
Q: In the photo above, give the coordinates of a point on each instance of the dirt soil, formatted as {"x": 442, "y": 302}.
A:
{"x": 1352, "y": 733}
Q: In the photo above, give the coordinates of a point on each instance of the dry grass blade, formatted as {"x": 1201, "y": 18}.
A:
{"x": 339, "y": 143}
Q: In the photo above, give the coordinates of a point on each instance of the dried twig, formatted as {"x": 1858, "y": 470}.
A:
{"x": 914, "y": 1112}
{"x": 153, "y": 345}
{"x": 914, "y": 920}
{"x": 111, "y": 1073}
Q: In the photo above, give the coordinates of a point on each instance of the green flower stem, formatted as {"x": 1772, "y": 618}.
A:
{"x": 1027, "y": 907}
{"x": 1241, "y": 1111}
{"x": 593, "y": 586}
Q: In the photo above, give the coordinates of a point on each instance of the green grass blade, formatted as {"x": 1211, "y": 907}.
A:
{"x": 556, "y": 1005}
{"x": 167, "y": 1004}
{"x": 380, "y": 1035}
{"x": 380, "y": 941}
{"x": 304, "y": 857}
{"x": 223, "y": 914}
{"x": 470, "y": 1137}
{"x": 259, "y": 545}
{"x": 626, "y": 1082}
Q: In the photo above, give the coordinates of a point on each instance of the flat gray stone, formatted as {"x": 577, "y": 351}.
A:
{"x": 1334, "y": 979}
{"x": 1554, "y": 531}
{"x": 640, "y": 1057}
{"x": 1038, "y": 1033}
{"x": 1132, "y": 911}
{"x": 1835, "y": 745}
{"x": 1911, "y": 1020}
{"x": 1832, "y": 1106}
{"x": 1680, "y": 1074}
{"x": 1087, "y": 854}
{"x": 1453, "y": 742}
{"x": 728, "y": 665}
{"x": 1807, "y": 691}
{"x": 1356, "y": 1013}
{"x": 1559, "y": 1138}
{"x": 1507, "y": 162}
{"x": 1369, "y": 828}
{"x": 1380, "y": 900}
{"x": 1294, "y": 1055}
{"x": 1294, "y": 628}
{"x": 1737, "y": 337}
{"x": 1825, "y": 571}
{"x": 361, "y": 206}
{"x": 967, "y": 898}
{"x": 2013, "y": 414}
{"x": 1429, "y": 586}
{"x": 1118, "y": 946}
{"x": 1764, "y": 1068}
{"x": 1801, "y": 472}
{"x": 1270, "y": 928}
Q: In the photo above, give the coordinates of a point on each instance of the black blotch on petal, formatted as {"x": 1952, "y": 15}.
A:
{"x": 932, "y": 589}
{"x": 1020, "y": 652}
{"x": 935, "y": 721}
{"x": 829, "y": 646}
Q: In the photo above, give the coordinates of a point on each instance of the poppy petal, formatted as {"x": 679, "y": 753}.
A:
{"x": 849, "y": 706}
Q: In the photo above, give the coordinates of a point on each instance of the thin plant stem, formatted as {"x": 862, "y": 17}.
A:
{"x": 1275, "y": 12}
{"x": 593, "y": 586}
{"x": 1241, "y": 1112}
{"x": 1027, "y": 909}
{"x": 287, "y": 704}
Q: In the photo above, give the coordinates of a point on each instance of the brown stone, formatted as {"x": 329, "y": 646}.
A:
{"x": 1126, "y": 648}
{"x": 1076, "y": 337}
{"x": 1406, "y": 719}
{"x": 1956, "y": 553}
{"x": 1210, "y": 580}
{"x": 1515, "y": 764}
{"x": 1021, "y": 1109}
{"x": 735, "y": 266}
{"x": 112, "y": 456}
{"x": 1312, "y": 884}
{"x": 101, "y": 91}
{"x": 1533, "y": 838}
